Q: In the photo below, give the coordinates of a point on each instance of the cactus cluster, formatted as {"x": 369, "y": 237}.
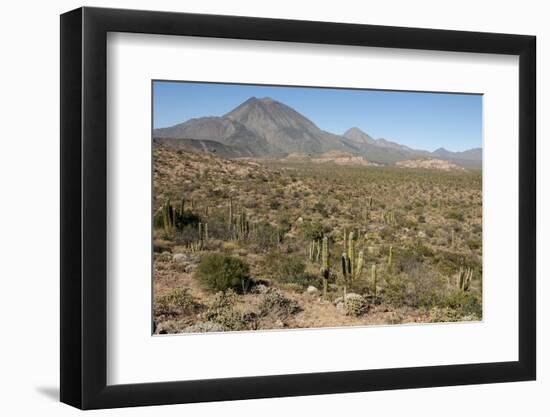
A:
{"x": 369, "y": 203}
{"x": 238, "y": 225}
{"x": 171, "y": 216}
{"x": 194, "y": 247}
{"x": 366, "y": 209}
{"x": 352, "y": 265}
{"x": 314, "y": 250}
{"x": 173, "y": 219}
{"x": 389, "y": 217}
{"x": 464, "y": 278}
{"x": 168, "y": 218}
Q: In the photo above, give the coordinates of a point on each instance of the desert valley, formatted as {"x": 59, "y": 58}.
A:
{"x": 262, "y": 220}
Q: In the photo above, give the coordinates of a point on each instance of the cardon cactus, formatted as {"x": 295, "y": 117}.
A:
{"x": 325, "y": 266}
{"x": 351, "y": 254}
{"x": 168, "y": 219}
{"x": 230, "y": 220}
{"x": 345, "y": 240}
{"x": 359, "y": 267}
{"x": 202, "y": 235}
{"x": 373, "y": 280}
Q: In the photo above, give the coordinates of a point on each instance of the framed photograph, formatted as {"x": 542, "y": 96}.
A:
{"x": 257, "y": 208}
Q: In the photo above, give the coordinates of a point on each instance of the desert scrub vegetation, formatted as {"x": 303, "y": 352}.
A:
{"x": 176, "y": 303}
{"x": 276, "y": 303}
{"x": 221, "y": 272}
{"x": 264, "y": 244}
{"x": 222, "y": 311}
{"x": 290, "y": 269}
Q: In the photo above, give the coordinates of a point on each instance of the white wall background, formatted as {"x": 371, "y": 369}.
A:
{"x": 29, "y": 226}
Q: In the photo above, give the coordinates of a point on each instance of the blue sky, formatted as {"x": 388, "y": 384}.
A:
{"x": 418, "y": 120}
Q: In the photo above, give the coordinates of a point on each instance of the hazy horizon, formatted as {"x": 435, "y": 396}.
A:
{"x": 419, "y": 120}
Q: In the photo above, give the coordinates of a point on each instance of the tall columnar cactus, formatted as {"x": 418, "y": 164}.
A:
{"x": 243, "y": 225}
{"x": 373, "y": 280}
{"x": 325, "y": 266}
{"x": 351, "y": 254}
{"x": 359, "y": 268}
{"x": 390, "y": 255}
{"x": 345, "y": 273}
{"x": 237, "y": 227}
{"x": 317, "y": 251}
{"x": 230, "y": 221}
{"x": 452, "y": 238}
{"x": 464, "y": 278}
{"x": 325, "y": 254}
{"x": 201, "y": 236}
{"x": 345, "y": 240}
{"x": 369, "y": 200}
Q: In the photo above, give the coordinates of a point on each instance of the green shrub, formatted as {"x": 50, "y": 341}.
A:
{"x": 310, "y": 230}
{"x": 274, "y": 204}
{"x": 289, "y": 269}
{"x": 264, "y": 236}
{"x": 395, "y": 290}
{"x": 464, "y": 302}
{"x": 220, "y": 272}
{"x": 474, "y": 244}
{"x": 455, "y": 215}
{"x": 186, "y": 218}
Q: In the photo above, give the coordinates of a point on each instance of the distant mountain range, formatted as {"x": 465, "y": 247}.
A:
{"x": 267, "y": 128}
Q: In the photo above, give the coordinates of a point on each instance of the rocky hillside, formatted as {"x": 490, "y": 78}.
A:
{"x": 438, "y": 164}
{"x": 335, "y": 157}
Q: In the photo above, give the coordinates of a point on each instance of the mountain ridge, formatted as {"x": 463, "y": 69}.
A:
{"x": 264, "y": 127}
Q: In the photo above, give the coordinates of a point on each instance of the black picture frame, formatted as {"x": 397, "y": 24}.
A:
{"x": 84, "y": 207}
